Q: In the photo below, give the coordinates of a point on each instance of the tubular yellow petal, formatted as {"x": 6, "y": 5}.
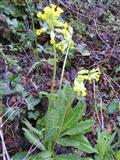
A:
{"x": 83, "y": 93}
{"x": 59, "y": 10}
{"x": 39, "y": 15}
{"x": 65, "y": 25}
{"x": 84, "y": 71}
{"x": 44, "y": 16}
{"x": 38, "y": 32}
{"x": 53, "y": 6}
{"x": 52, "y": 41}
{"x": 46, "y": 9}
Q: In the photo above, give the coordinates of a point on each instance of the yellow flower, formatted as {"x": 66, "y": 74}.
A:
{"x": 76, "y": 87}
{"x": 58, "y": 23}
{"x": 60, "y": 47}
{"x": 82, "y": 76}
{"x": 83, "y": 93}
{"x": 53, "y": 6}
{"x": 84, "y": 71}
{"x": 59, "y": 10}
{"x": 38, "y": 32}
{"x": 72, "y": 45}
{"x": 65, "y": 25}
{"x": 39, "y": 15}
{"x": 44, "y": 16}
{"x": 97, "y": 78}
{"x": 52, "y": 36}
{"x": 46, "y": 9}
{"x": 64, "y": 31}
{"x": 52, "y": 41}
{"x": 95, "y": 74}
{"x": 50, "y": 10}
{"x": 79, "y": 88}
{"x": 57, "y": 29}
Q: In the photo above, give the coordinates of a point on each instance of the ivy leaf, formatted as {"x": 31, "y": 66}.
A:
{"x": 82, "y": 48}
{"x": 4, "y": 88}
{"x": 114, "y": 106}
{"x": 13, "y": 24}
{"x": 33, "y": 115}
{"x": 32, "y": 102}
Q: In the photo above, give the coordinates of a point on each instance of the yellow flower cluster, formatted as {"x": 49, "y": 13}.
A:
{"x": 55, "y": 27}
{"x": 79, "y": 88}
{"x": 82, "y": 76}
{"x": 51, "y": 15}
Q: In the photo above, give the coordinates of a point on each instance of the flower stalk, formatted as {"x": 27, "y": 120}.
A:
{"x": 54, "y": 70}
{"x": 64, "y": 64}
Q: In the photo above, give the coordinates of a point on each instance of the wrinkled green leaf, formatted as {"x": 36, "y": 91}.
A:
{"x": 73, "y": 115}
{"x": 19, "y": 156}
{"x": 80, "y": 143}
{"x": 32, "y": 129}
{"x": 70, "y": 157}
{"x": 33, "y": 139}
{"x": 80, "y": 127}
{"x": 45, "y": 155}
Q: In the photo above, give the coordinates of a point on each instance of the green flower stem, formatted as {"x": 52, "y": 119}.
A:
{"x": 63, "y": 69}
{"x": 54, "y": 70}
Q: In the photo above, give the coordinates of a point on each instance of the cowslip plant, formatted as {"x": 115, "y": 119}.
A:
{"x": 60, "y": 34}
{"x": 82, "y": 76}
{"x": 62, "y": 125}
